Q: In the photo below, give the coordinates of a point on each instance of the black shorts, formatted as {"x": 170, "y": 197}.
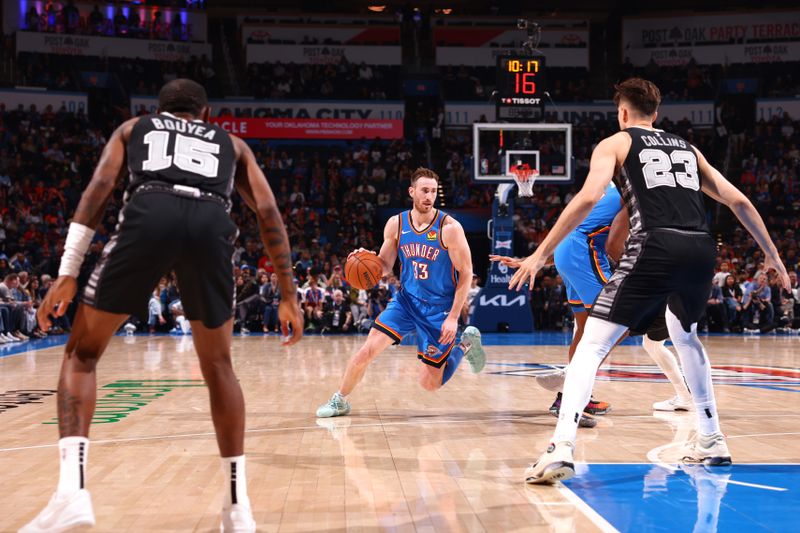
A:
{"x": 660, "y": 266}
{"x": 657, "y": 330}
{"x": 158, "y": 232}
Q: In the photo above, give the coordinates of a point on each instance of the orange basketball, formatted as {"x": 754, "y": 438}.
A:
{"x": 363, "y": 270}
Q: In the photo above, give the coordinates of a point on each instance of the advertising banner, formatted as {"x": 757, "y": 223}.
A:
{"x": 713, "y": 38}
{"x": 340, "y": 35}
{"x": 85, "y": 45}
{"x": 464, "y": 114}
{"x": 322, "y": 54}
{"x": 260, "y": 128}
{"x": 487, "y": 56}
{"x": 767, "y": 108}
{"x": 339, "y": 109}
{"x": 72, "y": 102}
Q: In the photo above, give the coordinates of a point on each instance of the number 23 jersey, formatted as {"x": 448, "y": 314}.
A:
{"x": 660, "y": 183}
{"x": 176, "y": 151}
{"x": 426, "y": 271}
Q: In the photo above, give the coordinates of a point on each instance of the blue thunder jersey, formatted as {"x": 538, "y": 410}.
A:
{"x": 603, "y": 212}
{"x": 426, "y": 271}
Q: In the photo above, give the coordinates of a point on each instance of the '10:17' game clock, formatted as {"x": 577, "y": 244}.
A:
{"x": 520, "y": 85}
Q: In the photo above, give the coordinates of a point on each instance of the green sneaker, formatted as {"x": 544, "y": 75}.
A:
{"x": 336, "y": 406}
{"x": 473, "y": 351}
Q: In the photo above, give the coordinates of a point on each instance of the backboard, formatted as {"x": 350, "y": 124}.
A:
{"x": 545, "y": 147}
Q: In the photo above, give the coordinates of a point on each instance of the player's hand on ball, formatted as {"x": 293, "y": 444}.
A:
{"x": 511, "y": 262}
{"x": 57, "y": 300}
{"x": 360, "y": 250}
{"x": 289, "y": 314}
{"x": 449, "y": 327}
{"x": 526, "y": 272}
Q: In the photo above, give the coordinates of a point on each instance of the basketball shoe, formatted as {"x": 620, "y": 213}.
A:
{"x": 336, "y": 406}
{"x": 552, "y": 381}
{"x": 63, "y": 513}
{"x": 675, "y": 403}
{"x": 555, "y": 464}
{"x": 595, "y": 407}
{"x": 473, "y": 350}
{"x": 238, "y": 518}
{"x": 710, "y": 450}
{"x": 586, "y": 420}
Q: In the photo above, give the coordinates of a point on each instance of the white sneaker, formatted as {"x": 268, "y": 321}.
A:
{"x": 555, "y": 464}
{"x": 238, "y": 518}
{"x": 710, "y": 450}
{"x": 552, "y": 381}
{"x": 473, "y": 349}
{"x": 674, "y": 404}
{"x": 63, "y": 514}
{"x": 3, "y": 339}
{"x": 336, "y": 406}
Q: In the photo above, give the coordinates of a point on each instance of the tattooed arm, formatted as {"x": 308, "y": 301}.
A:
{"x": 257, "y": 194}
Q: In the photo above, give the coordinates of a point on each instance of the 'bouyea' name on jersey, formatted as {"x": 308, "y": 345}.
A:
{"x": 183, "y": 126}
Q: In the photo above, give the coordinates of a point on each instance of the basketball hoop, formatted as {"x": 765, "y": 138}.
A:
{"x": 525, "y": 177}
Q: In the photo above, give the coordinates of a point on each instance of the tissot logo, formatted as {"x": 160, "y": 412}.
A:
{"x": 502, "y": 300}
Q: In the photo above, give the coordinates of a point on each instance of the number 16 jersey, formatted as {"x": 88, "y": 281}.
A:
{"x": 660, "y": 183}
{"x": 426, "y": 271}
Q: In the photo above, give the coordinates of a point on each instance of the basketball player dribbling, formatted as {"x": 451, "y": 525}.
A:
{"x": 669, "y": 258}
{"x": 435, "y": 277}
{"x": 175, "y": 216}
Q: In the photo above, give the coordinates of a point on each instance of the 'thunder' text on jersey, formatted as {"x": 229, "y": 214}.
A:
{"x": 426, "y": 271}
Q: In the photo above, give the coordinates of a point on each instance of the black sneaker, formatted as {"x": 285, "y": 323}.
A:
{"x": 586, "y": 420}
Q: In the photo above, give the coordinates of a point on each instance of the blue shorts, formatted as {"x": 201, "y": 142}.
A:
{"x": 405, "y": 314}
{"x": 581, "y": 260}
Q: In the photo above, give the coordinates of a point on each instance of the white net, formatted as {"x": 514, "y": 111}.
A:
{"x": 525, "y": 177}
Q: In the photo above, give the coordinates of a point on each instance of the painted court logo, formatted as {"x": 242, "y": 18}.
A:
{"x": 126, "y": 396}
{"x": 13, "y": 399}
{"x": 769, "y": 377}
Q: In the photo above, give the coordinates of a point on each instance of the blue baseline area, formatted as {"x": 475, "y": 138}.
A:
{"x": 692, "y": 498}
{"x": 32, "y": 345}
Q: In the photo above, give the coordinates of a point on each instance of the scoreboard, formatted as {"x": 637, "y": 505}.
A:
{"x": 520, "y": 82}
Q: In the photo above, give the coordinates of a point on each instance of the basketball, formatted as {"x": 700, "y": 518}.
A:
{"x": 363, "y": 270}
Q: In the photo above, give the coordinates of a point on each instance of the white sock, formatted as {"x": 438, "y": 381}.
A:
{"x": 74, "y": 452}
{"x": 668, "y": 365}
{"x": 599, "y": 336}
{"x": 184, "y": 324}
{"x": 697, "y": 369}
{"x": 235, "y": 481}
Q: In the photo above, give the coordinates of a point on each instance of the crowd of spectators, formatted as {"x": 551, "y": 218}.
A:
{"x": 57, "y": 17}
{"x": 134, "y": 76}
{"x": 707, "y": 82}
{"x": 330, "y": 196}
{"x": 331, "y": 81}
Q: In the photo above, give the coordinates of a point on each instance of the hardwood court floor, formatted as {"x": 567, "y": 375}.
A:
{"x": 404, "y": 460}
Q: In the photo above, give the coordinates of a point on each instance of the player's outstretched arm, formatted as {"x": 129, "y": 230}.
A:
{"x": 453, "y": 237}
{"x": 601, "y": 169}
{"x": 257, "y": 194}
{"x": 92, "y": 205}
{"x": 720, "y": 189}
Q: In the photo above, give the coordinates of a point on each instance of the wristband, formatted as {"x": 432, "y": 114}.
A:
{"x": 79, "y": 237}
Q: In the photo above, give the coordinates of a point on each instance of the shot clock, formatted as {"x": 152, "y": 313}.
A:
{"x": 520, "y": 80}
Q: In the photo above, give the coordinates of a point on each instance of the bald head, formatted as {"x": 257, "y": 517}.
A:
{"x": 183, "y": 96}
